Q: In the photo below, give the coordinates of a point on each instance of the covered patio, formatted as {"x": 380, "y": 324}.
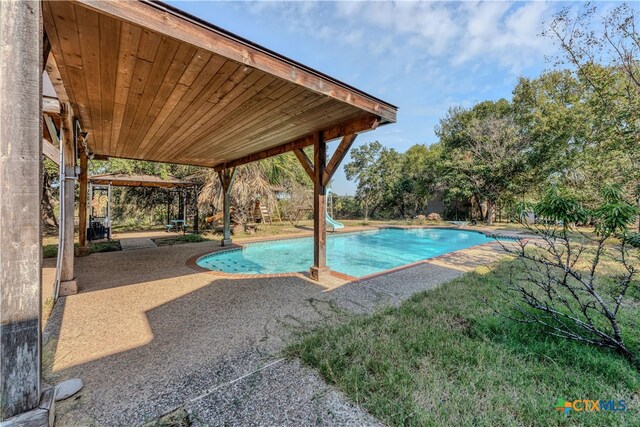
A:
{"x": 143, "y": 80}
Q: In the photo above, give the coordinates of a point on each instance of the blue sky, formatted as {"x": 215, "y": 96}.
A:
{"x": 423, "y": 57}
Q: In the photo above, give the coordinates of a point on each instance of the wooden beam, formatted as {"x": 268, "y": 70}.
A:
{"x": 20, "y": 219}
{"x": 46, "y": 50}
{"x": 348, "y": 128}
{"x": 83, "y": 180}
{"x": 50, "y": 151}
{"x": 337, "y": 158}
{"x": 53, "y": 132}
{"x": 319, "y": 268}
{"x": 67, "y": 282}
{"x": 306, "y": 162}
{"x": 166, "y": 20}
{"x": 56, "y": 79}
{"x": 226, "y": 179}
{"x": 50, "y": 105}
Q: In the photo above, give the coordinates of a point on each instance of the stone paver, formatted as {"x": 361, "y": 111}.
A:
{"x": 148, "y": 335}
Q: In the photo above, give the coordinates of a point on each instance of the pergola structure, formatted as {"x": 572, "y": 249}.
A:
{"x": 143, "y": 80}
{"x": 109, "y": 180}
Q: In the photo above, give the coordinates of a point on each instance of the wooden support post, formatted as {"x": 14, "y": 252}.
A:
{"x": 108, "y": 221}
{"x": 319, "y": 268}
{"x": 196, "y": 215}
{"x": 68, "y": 285}
{"x": 169, "y": 207}
{"x": 20, "y": 224}
{"x": 83, "y": 178}
{"x": 226, "y": 179}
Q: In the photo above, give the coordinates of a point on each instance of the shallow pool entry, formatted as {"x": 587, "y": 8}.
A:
{"x": 356, "y": 254}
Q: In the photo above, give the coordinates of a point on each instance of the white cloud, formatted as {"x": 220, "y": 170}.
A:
{"x": 459, "y": 33}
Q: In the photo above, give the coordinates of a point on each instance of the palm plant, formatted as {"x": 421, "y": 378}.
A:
{"x": 254, "y": 181}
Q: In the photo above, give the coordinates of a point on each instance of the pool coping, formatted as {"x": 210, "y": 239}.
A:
{"x": 191, "y": 262}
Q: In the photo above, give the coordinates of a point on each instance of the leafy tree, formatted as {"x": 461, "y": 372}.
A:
{"x": 364, "y": 167}
{"x": 604, "y": 52}
{"x": 485, "y": 152}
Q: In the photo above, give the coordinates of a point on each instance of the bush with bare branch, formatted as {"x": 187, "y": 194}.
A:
{"x": 563, "y": 285}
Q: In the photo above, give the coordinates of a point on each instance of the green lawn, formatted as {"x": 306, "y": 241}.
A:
{"x": 50, "y": 250}
{"x": 444, "y": 358}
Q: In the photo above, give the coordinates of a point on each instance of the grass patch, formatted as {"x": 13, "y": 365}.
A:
{"x": 51, "y": 250}
{"x": 108, "y": 246}
{"x": 444, "y": 358}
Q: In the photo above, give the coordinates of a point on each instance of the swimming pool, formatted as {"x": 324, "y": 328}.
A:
{"x": 356, "y": 254}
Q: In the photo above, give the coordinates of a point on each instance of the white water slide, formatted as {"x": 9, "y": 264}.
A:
{"x": 335, "y": 225}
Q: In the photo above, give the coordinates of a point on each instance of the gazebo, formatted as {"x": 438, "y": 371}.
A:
{"x": 142, "y": 80}
{"x": 108, "y": 180}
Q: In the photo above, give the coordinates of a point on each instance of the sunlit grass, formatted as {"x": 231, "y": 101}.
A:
{"x": 445, "y": 358}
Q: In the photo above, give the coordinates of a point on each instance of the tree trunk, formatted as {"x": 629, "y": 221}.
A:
{"x": 490, "y": 206}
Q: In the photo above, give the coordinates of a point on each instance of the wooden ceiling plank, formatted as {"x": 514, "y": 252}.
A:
{"x": 110, "y": 31}
{"x": 268, "y": 125}
{"x": 254, "y": 123}
{"x": 130, "y": 36}
{"x": 298, "y": 100}
{"x": 242, "y": 93}
{"x": 287, "y": 94}
{"x": 144, "y": 75}
{"x": 223, "y": 82}
{"x": 257, "y": 103}
{"x": 149, "y": 45}
{"x": 196, "y": 65}
{"x": 88, "y": 31}
{"x": 192, "y": 104}
{"x": 141, "y": 73}
{"x": 179, "y": 64}
{"x": 161, "y": 65}
{"x": 57, "y": 60}
{"x": 154, "y": 17}
{"x": 173, "y": 113}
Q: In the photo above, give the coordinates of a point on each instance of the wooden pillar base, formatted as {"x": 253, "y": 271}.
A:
{"x": 82, "y": 251}
{"x": 226, "y": 242}
{"x": 68, "y": 287}
{"x": 42, "y": 416}
{"x": 319, "y": 274}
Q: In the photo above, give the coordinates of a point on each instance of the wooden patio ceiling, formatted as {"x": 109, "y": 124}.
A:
{"x": 150, "y": 82}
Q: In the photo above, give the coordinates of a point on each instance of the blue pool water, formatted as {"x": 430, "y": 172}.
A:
{"x": 355, "y": 254}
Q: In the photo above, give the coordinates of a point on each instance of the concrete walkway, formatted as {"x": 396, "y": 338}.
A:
{"x": 149, "y": 336}
{"x": 135, "y": 243}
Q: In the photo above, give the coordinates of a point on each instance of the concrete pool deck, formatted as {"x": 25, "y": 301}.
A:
{"x": 148, "y": 336}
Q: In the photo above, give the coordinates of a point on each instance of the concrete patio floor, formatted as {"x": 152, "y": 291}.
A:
{"x": 148, "y": 335}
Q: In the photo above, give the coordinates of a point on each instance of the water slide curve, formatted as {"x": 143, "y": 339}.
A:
{"x": 330, "y": 221}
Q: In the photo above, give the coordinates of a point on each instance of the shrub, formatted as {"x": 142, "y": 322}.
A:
{"x": 563, "y": 287}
